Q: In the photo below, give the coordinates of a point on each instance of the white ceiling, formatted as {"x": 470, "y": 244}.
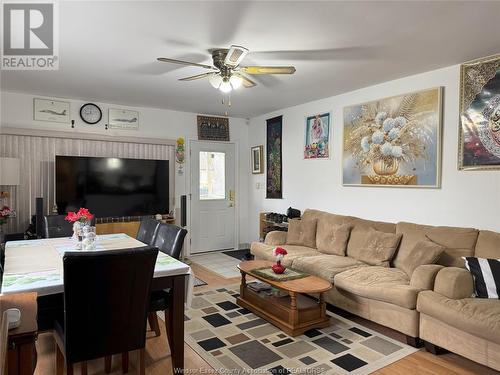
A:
{"x": 108, "y": 50}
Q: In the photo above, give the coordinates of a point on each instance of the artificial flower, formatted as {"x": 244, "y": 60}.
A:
{"x": 388, "y": 124}
{"x": 378, "y": 137}
{"x": 386, "y": 149}
{"x": 380, "y": 117}
{"x": 397, "y": 151}
{"x": 399, "y": 121}
{"x": 394, "y": 133}
{"x": 279, "y": 251}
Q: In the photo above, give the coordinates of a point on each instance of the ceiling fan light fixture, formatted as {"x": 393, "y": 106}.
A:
{"x": 225, "y": 86}
{"x": 215, "y": 80}
{"x": 236, "y": 81}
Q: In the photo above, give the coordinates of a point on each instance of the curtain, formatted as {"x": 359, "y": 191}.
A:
{"x": 37, "y": 178}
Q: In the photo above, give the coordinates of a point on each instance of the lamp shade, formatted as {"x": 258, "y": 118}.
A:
{"x": 9, "y": 171}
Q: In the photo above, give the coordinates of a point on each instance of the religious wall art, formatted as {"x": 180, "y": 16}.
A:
{"x": 213, "y": 128}
{"x": 317, "y": 136}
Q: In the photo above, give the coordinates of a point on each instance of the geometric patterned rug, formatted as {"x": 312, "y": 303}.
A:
{"x": 231, "y": 338}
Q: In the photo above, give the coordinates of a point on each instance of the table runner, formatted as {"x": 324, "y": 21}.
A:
{"x": 36, "y": 265}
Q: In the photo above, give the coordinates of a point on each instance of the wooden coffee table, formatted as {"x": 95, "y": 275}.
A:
{"x": 295, "y": 313}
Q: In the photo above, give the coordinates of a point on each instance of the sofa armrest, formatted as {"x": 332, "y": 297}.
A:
{"x": 423, "y": 276}
{"x": 275, "y": 237}
{"x": 454, "y": 283}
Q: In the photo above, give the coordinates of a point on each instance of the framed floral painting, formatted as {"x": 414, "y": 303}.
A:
{"x": 317, "y": 137}
{"x": 394, "y": 141}
{"x": 479, "y": 144}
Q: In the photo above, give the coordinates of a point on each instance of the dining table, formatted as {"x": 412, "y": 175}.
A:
{"x": 37, "y": 266}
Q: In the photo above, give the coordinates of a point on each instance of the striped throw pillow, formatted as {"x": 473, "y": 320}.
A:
{"x": 486, "y": 274}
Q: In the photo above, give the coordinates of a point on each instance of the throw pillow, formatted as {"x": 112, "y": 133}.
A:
{"x": 379, "y": 247}
{"x": 301, "y": 232}
{"x": 486, "y": 275}
{"x": 332, "y": 239}
{"x": 423, "y": 252}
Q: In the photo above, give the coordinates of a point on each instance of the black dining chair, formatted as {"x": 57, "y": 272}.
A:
{"x": 147, "y": 230}
{"x": 106, "y": 299}
{"x": 55, "y": 226}
{"x": 169, "y": 240}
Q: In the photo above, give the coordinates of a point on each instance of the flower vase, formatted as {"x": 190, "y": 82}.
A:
{"x": 278, "y": 268}
{"x": 386, "y": 167}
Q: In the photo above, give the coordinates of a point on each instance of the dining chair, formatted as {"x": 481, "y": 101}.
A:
{"x": 169, "y": 240}
{"x": 147, "y": 230}
{"x": 106, "y": 299}
{"x": 4, "y": 338}
{"x": 55, "y": 226}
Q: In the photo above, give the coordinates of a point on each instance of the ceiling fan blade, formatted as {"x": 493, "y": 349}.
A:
{"x": 198, "y": 76}
{"x": 247, "y": 82}
{"x": 268, "y": 69}
{"x": 174, "y": 61}
{"x": 235, "y": 55}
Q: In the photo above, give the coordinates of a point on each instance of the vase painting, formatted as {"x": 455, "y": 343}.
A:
{"x": 394, "y": 141}
{"x": 479, "y": 146}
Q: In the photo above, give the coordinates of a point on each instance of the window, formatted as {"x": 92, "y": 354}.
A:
{"x": 212, "y": 175}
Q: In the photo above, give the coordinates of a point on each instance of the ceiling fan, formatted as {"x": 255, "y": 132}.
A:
{"x": 226, "y": 73}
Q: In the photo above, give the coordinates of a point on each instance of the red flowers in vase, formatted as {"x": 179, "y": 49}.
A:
{"x": 83, "y": 215}
{"x": 5, "y": 213}
{"x": 279, "y": 253}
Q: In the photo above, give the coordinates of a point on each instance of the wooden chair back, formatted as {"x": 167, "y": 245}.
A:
{"x": 4, "y": 338}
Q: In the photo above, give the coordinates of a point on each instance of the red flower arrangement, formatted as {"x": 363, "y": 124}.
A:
{"x": 82, "y": 216}
{"x": 5, "y": 213}
{"x": 279, "y": 253}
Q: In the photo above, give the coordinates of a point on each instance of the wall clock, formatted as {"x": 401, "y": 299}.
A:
{"x": 90, "y": 113}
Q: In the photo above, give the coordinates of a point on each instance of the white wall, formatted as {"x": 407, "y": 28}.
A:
{"x": 17, "y": 111}
{"x": 466, "y": 198}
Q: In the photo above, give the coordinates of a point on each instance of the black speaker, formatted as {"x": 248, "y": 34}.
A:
{"x": 39, "y": 217}
{"x": 183, "y": 211}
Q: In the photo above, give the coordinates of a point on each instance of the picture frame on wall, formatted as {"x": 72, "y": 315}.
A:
{"x": 317, "y": 136}
{"x": 123, "y": 119}
{"x": 479, "y": 133}
{"x": 257, "y": 156}
{"x": 51, "y": 110}
{"x": 212, "y": 128}
{"x": 394, "y": 142}
{"x": 274, "y": 158}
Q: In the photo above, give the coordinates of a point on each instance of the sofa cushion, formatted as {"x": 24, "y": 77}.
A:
{"x": 263, "y": 251}
{"x": 302, "y": 232}
{"x": 488, "y": 245}
{"x": 486, "y": 274}
{"x": 326, "y": 266}
{"x": 379, "y": 248}
{"x": 380, "y": 283}
{"x": 423, "y": 252}
{"x": 458, "y": 242}
{"x": 477, "y": 316}
{"x": 332, "y": 239}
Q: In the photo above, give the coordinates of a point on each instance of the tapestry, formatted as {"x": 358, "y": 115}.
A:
{"x": 274, "y": 177}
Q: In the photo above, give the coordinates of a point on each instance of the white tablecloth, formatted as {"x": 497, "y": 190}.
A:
{"x": 36, "y": 265}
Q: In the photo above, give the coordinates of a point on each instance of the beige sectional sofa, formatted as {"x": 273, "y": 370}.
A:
{"x": 431, "y": 301}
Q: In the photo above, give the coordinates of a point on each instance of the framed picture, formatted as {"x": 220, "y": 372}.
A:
{"x": 123, "y": 119}
{"x": 257, "y": 156}
{"x": 479, "y": 143}
{"x": 51, "y": 110}
{"x": 213, "y": 128}
{"x": 274, "y": 177}
{"x": 394, "y": 141}
{"x": 317, "y": 137}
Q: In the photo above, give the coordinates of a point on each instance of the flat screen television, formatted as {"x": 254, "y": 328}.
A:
{"x": 112, "y": 187}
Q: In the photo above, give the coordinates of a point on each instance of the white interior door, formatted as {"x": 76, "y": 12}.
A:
{"x": 212, "y": 196}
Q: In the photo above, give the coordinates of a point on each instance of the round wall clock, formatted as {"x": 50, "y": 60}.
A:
{"x": 90, "y": 113}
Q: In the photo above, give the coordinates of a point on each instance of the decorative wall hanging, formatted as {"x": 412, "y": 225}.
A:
{"x": 257, "y": 156}
{"x": 213, "y": 128}
{"x": 179, "y": 155}
{"x": 394, "y": 141}
{"x": 51, "y": 110}
{"x": 274, "y": 178}
{"x": 123, "y": 119}
{"x": 317, "y": 137}
{"x": 479, "y": 144}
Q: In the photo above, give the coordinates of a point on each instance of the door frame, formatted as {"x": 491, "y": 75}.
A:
{"x": 237, "y": 200}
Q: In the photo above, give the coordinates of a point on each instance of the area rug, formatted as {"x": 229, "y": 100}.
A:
{"x": 229, "y": 337}
{"x": 242, "y": 254}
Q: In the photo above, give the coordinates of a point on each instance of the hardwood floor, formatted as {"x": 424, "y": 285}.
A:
{"x": 158, "y": 354}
